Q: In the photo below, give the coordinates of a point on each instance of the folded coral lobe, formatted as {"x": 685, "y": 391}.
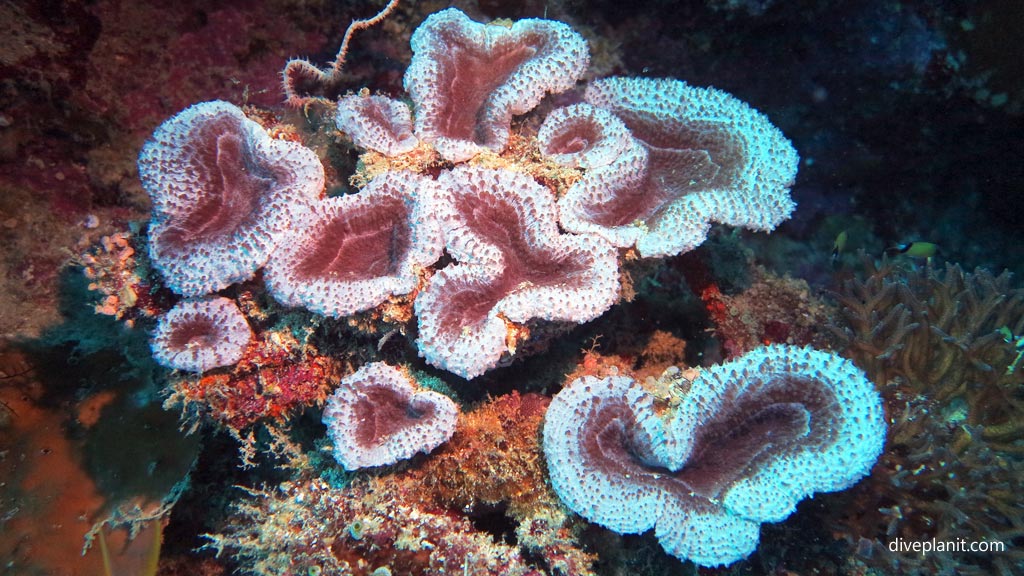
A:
{"x": 378, "y": 417}
{"x": 201, "y": 334}
{"x": 223, "y": 191}
{"x": 710, "y": 158}
{"x": 749, "y": 440}
{"x": 468, "y": 79}
{"x": 353, "y": 252}
{"x": 513, "y": 265}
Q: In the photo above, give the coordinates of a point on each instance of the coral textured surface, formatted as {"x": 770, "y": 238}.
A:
{"x": 201, "y": 334}
{"x": 749, "y": 439}
{"x": 468, "y": 79}
{"x": 350, "y": 253}
{"x": 223, "y": 192}
{"x": 710, "y": 157}
{"x": 377, "y": 417}
{"x": 513, "y": 265}
{"x": 552, "y": 288}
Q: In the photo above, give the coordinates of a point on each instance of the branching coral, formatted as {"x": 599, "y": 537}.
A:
{"x": 956, "y": 407}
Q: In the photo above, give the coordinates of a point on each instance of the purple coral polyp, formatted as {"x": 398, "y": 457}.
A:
{"x": 201, "y": 334}
{"x": 749, "y": 440}
{"x": 223, "y": 192}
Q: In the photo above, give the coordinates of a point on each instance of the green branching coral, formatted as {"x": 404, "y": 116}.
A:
{"x": 935, "y": 341}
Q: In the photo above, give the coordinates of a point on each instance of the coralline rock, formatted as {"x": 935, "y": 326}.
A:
{"x": 378, "y": 123}
{"x": 201, "y": 334}
{"x": 748, "y": 440}
{"x": 376, "y": 418}
{"x": 468, "y": 79}
{"x": 223, "y": 191}
{"x": 513, "y": 266}
{"x": 709, "y": 157}
{"x": 355, "y": 251}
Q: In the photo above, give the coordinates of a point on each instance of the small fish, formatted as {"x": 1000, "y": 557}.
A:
{"x": 837, "y": 248}
{"x": 914, "y": 249}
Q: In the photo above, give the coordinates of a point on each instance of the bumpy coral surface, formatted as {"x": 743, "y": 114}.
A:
{"x": 378, "y": 123}
{"x": 705, "y": 474}
{"x": 513, "y": 265}
{"x": 468, "y": 79}
{"x": 352, "y": 252}
{"x": 223, "y": 192}
{"x": 376, "y": 417}
{"x": 200, "y": 335}
{"x": 710, "y": 158}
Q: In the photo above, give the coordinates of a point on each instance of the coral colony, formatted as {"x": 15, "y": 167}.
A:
{"x": 486, "y": 238}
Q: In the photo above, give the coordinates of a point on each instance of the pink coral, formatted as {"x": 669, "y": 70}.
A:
{"x": 223, "y": 192}
{"x": 468, "y": 79}
{"x": 378, "y": 123}
{"x": 200, "y": 335}
{"x": 710, "y": 158}
{"x": 582, "y": 136}
{"x": 376, "y": 418}
{"x": 748, "y": 440}
{"x": 355, "y": 251}
{"x": 513, "y": 266}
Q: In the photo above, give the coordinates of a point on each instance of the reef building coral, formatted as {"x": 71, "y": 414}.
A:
{"x": 223, "y": 192}
{"x": 250, "y": 201}
{"x": 748, "y": 440}
{"x": 377, "y": 417}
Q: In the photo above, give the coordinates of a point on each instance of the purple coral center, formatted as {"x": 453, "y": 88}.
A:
{"x": 234, "y": 184}
{"x": 732, "y": 445}
{"x": 360, "y": 245}
{"x": 471, "y": 74}
{"x": 384, "y": 411}
{"x": 497, "y": 222}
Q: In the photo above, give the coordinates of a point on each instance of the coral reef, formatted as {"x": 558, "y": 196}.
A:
{"x": 483, "y": 502}
{"x": 494, "y": 463}
{"x": 371, "y": 527}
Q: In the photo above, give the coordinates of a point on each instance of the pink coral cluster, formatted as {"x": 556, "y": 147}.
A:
{"x": 748, "y": 440}
{"x": 376, "y": 417}
{"x": 513, "y": 266}
{"x": 648, "y": 163}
